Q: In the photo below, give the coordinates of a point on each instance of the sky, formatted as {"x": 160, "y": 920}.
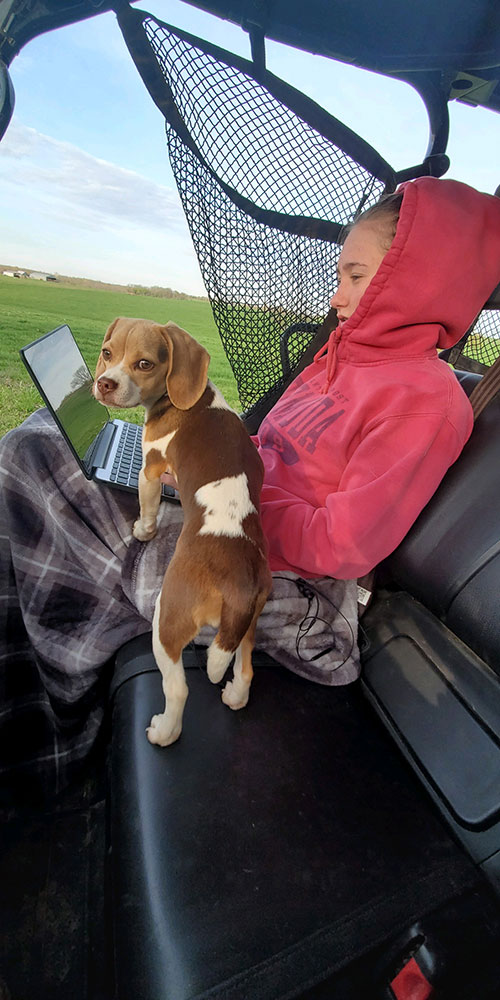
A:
{"x": 85, "y": 183}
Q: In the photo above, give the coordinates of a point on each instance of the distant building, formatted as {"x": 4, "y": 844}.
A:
{"x": 13, "y": 274}
{"x": 40, "y": 276}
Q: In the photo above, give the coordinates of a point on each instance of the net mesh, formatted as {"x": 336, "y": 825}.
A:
{"x": 482, "y": 346}
{"x": 266, "y": 183}
{"x": 261, "y": 280}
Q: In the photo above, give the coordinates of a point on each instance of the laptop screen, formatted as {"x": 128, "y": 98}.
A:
{"x": 63, "y": 379}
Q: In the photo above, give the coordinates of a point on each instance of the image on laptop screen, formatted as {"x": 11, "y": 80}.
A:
{"x": 66, "y": 383}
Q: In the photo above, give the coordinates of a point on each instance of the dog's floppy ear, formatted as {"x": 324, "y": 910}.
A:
{"x": 187, "y": 368}
{"x": 110, "y": 329}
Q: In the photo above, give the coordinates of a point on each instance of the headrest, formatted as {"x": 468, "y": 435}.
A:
{"x": 494, "y": 299}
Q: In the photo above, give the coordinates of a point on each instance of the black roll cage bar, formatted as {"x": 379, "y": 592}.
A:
{"x": 23, "y": 20}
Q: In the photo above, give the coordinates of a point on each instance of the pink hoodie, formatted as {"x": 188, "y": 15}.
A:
{"x": 359, "y": 442}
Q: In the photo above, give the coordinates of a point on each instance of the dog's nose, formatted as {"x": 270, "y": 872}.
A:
{"x": 106, "y": 384}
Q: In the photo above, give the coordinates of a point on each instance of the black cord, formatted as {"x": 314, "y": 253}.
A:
{"x": 312, "y": 595}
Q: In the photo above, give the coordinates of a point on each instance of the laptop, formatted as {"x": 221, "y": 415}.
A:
{"x": 106, "y": 450}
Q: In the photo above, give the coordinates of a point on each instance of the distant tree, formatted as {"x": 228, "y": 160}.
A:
{"x": 81, "y": 379}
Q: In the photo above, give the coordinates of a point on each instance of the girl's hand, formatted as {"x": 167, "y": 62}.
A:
{"x": 169, "y": 480}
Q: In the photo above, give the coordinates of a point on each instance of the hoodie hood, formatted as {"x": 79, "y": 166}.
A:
{"x": 442, "y": 265}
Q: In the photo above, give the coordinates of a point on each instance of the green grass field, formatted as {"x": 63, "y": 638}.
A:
{"x": 28, "y": 309}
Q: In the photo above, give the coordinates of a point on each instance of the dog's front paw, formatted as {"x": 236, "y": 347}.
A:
{"x": 162, "y": 732}
{"x": 144, "y": 530}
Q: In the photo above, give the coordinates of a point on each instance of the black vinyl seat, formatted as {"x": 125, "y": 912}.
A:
{"x": 451, "y": 557}
{"x": 267, "y": 849}
{"x": 432, "y": 665}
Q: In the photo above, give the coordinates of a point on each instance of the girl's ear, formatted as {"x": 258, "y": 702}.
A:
{"x": 187, "y": 367}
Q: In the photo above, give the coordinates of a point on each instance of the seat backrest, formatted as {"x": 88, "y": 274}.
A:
{"x": 450, "y": 559}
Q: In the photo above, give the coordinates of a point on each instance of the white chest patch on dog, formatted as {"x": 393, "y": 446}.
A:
{"x": 160, "y": 444}
{"x": 227, "y": 503}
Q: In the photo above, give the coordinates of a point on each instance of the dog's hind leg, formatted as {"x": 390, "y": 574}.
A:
{"x": 235, "y": 619}
{"x": 166, "y": 728}
{"x": 218, "y": 660}
{"x": 237, "y": 691}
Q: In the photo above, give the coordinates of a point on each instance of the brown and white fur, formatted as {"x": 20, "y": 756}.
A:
{"x": 219, "y": 573}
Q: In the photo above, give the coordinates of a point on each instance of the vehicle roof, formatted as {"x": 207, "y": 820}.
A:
{"x": 448, "y": 41}
{"x": 451, "y": 45}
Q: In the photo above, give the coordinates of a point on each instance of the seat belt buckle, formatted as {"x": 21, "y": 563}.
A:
{"x": 411, "y": 983}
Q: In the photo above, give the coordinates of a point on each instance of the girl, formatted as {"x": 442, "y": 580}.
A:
{"x": 360, "y": 441}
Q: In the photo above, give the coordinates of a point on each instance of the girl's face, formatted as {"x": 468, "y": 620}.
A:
{"x": 359, "y": 261}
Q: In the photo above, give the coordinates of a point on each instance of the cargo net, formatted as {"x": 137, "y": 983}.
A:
{"x": 269, "y": 290}
{"x": 267, "y": 180}
{"x": 266, "y": 192}
{"x": 482, "y": 345}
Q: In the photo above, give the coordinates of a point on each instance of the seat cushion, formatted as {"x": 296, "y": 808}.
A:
{"x": 267, "y": 848}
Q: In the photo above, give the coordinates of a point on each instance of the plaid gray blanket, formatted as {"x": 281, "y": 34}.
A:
{"x": 76, "y": 586}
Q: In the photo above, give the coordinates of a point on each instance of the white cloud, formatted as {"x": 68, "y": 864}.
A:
{"x": 67, "y": 211}
{"x": 96, "y": 189}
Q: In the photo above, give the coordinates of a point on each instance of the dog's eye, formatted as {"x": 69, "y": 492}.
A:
{"x": 144, "y": 365}
{"x": 106, "y": 354}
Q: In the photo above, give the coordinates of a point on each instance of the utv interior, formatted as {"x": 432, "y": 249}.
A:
{"x": 354, "y": 850}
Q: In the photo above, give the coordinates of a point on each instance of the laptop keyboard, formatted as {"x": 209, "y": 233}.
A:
{"x": 128, "y": 458}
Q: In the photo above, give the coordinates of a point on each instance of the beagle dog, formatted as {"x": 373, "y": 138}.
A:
{"x": 219, "y": 573}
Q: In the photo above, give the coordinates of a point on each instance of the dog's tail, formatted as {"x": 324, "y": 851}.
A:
{"x": 237, "y": 622}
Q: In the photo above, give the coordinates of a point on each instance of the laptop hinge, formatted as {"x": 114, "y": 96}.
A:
{"x": 102, "y": 445}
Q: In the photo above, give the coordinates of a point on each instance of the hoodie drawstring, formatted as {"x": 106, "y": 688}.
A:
{"x": 331, "y": 358}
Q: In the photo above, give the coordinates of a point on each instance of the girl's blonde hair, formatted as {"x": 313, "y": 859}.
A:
{"x": 385, "y": 215}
